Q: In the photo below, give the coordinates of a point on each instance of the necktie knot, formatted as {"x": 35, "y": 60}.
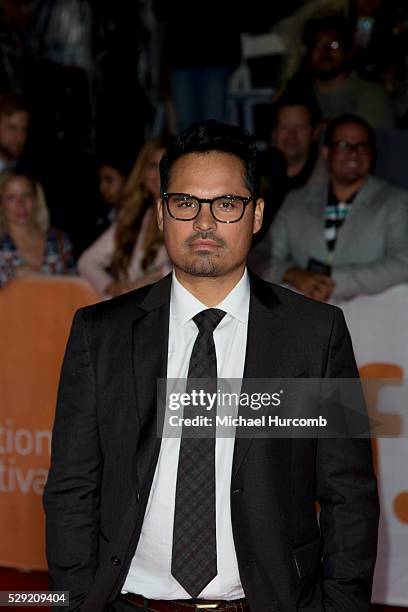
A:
{"x": 207, "y": 320}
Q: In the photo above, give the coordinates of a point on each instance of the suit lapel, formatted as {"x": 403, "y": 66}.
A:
{"x": 266, "y": 337}
{"x": 150, "y": 342}
{"x": 271, "y": 353}
{"x": 316, "y": 204}
{"x": 351, "y": 227}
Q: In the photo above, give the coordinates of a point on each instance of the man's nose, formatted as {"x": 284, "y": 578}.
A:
{"x": 353, "y": 153}
{"x": 205, "y": 220}
{"x": 292, "y": 133}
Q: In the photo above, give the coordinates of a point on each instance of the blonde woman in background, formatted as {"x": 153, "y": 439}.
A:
{"x": 131, "y": 252}
{"x": 28, "y": 245}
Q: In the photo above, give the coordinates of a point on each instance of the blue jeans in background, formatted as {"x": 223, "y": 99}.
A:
{"x": 199, "y": 94}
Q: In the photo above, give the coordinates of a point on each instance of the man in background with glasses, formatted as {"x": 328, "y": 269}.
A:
{"x": 137, "y": 520}
{"x": 345, "y": 235}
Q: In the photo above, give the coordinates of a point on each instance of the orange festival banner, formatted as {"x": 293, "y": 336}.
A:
{"x": 378, "y": 326}
{"x": 35, "y": 319}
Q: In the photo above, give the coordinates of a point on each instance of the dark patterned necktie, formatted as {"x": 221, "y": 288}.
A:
{"x": 194, "y": 555}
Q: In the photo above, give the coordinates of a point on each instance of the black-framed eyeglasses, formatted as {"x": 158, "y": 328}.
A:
{"x": 343, "y": 146}
{"x": 225, "y": 208}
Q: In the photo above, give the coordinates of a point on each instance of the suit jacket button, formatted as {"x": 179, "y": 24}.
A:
{"x": 115, "y": 560}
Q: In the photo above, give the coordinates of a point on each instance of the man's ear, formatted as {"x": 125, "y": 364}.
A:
{"x": 258, "y": 215}
{"x": 159, "y": 213}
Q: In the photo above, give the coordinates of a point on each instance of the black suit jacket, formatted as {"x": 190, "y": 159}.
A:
{"x": 105, "y": 450}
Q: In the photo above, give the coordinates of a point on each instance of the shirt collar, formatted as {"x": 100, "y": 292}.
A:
{"x": 184, "y": 306}
{"x": 333, "y": 200}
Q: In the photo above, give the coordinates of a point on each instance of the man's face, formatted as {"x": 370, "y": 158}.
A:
{"x": 327, "y": 57}
{"x": 205, "y": 247}
{"x": 349, "y": 156}
{"x": 294, "y": 132}
{"x": 13, "y": 134}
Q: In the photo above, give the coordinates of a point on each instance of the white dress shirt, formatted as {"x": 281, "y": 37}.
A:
{"x": 150, "y": 571}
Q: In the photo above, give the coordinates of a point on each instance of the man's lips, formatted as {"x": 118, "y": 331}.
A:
{"x": 204, "y": 244}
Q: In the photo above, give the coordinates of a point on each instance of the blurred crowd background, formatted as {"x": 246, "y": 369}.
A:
{"x": 91, "y": 91}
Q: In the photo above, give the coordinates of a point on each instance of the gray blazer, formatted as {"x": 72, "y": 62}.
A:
{"x": 371, "y": 252}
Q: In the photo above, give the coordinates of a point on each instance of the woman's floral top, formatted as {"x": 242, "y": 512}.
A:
{"x": 58, "y": 256}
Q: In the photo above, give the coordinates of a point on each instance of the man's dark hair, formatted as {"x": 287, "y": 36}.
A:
{"x": 211, "y": 135}
{"x": 336, "y": 23}
{"x": 343, "y": 120}
{"x": 11, "y": 103}
{"x": 296, "y": 96}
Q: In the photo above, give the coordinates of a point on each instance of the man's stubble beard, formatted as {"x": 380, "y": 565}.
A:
{"x": 204, "y": 266}
{"x": 207, "y": 264}
{"x": 203, "y": 263}
{"x": 330, "y": 74}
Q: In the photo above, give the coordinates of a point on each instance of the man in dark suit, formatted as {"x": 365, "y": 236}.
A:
{"x": 136, "y": 520}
